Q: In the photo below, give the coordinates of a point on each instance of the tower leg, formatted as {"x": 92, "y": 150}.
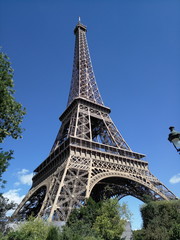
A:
{"x": 68, "y": 189}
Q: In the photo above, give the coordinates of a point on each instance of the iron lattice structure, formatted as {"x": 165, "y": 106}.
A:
{"x": 89, "y": 156}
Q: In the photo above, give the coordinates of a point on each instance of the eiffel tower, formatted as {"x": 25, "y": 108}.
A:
{"x": 89, "y": 156}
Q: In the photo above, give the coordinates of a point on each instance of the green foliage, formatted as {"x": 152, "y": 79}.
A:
{"x": 108, "y": 223}
{"x": 53, "y": 233}
{"x": 11, "y": 112}
{"x": 161, "y": 220}
{"x": 175, "y": 232}
{"x": 102, "y": 220}
{"x": 31, "y": 230}
{"x": 80, "y": 222}
{"x": 94, "y": 221}
{"x": 4, "y": 162}
{"x": 138, "y": 234}
{"x": 4, "y": 207}
{"x": 34, "y": 229}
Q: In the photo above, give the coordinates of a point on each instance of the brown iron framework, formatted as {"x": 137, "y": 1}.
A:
{"x": 88, "y": 155}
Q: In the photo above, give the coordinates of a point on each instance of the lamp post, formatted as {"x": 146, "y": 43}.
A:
{"x": 174, "y": 138}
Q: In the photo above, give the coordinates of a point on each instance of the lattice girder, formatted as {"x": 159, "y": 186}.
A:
{"x": 88, "y": 155}
{"x": 83, "y": 83}
{"x": 81, "y": 175}
{"x": 88, "y": 122}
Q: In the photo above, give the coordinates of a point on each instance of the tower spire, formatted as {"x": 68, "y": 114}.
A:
{"x": 83, "y": 83}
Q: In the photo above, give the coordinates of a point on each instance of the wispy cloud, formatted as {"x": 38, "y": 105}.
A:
{"x": 13, "y": 195}
{"x": 17, "y": 184}
{"x": 175, "y": 179}
{"x": 24, "y": 177}
{"x": 23, "y": 171}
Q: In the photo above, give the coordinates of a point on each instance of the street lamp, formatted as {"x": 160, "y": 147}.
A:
{"x": 174, "y": 138}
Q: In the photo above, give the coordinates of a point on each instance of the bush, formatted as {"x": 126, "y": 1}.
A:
{"x": 53, "y": 233}
{"x": 34, "y": 229}
{"x": 161, "y": 220}
{"x": 138, "y": 234}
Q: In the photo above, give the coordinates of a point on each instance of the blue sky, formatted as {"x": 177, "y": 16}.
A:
{"x": 135, "y": 52}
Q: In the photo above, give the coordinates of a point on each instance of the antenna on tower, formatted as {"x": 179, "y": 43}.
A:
{"x": 79, "y": 19}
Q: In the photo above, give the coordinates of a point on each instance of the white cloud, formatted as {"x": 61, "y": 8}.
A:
{"x": 13, "y": 195}
{"x": 26, "y": 179}
{"x": 175, "y": 179}
{"x": 17, "y": 184}
{"x": 23, "y": 171}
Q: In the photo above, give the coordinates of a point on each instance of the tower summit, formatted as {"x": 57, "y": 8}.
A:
{"x": 88, "y": 154}
{"x": 83, "y": 82}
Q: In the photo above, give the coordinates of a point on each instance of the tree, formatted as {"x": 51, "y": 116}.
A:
{"x": 11, "y": 115}
{"x": 109, "y": 223}
{"x": 53, "y": 233}
{"x": 175, "y": 231}
{"x": 138, "y": 234}
{"x": 11, "y": 112}
{"x": 161, "y": 220}
{"x": 5, "y": 157}
{"x": 101, "y": 220}
{"x": 80, "y": 222}
{"x": 5, "y": 206}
